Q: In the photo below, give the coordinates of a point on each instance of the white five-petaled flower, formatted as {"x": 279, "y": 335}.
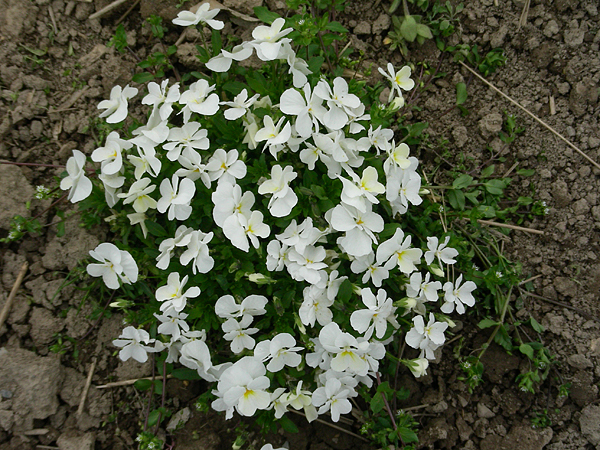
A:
{"x": 162, "y": 98}
{"x": 114, "y": 265}
{"x": 423, "y": 288}
{"x": 239, "y": 105}
{"x": 348, "y": 350}
{"x": 138, "y": 195}
{"x": 225, "y": 166}
{"x": 132, "y": 341}
{"x": 80, "y": 186}
{"x": 458, "y": 296}
{"x": 269, "y": 39}
{"x": 198, "y": 99}
{"x": 426, "y": 338}
{"x": 203, "y": 15}
{"x": 400, "y": 80}
{"x": 339, "y": 101}
{"x": 443, "y": 253}
{"x": 189, "y": 136}
{"x": 239, "y": 334}
{"x": 243, "y": 386}
{"x": 239, "y": 228}
{"x": 176, "y": 197}
{"x": 332, "y": 397}
{"x": 359, "y": 191}
{"x": 110, "y": 155}
{"x": 379, "y": 311}
{"x": 173, "y": 295}
{"x": 397, "y": 251}
{"x": 359, "y": 228}
{"x": 279, "y": 351}
{"x": 116, "y": 107}
{"x": 283, "y": 198}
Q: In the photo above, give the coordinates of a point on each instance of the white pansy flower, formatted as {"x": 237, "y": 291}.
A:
{"x": 116, "y": 107}
{"x": 176, "y": 197}
{"x": 283, "y": 198}
{"x": 239, "y": 106}
{"x": 458, "y": 296}
{"x": 279, "y": 351}
{"x": 114, "y": 265}
{"x": 269, "y": 39}
{"x": 162, "y": 98}
{"x": 443, "y": 253}
{"x": 80, "y": 186}
{"x": 426, "y": 338}
{"x": 173, "y": 294}
{"x": 239, "y": 334}
{"x": 203, "y": 15}
{"x": 400, "y": 80}
{"x": 132, "y": 341}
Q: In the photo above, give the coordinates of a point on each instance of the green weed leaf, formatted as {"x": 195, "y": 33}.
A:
{"x": 461, "y": 93}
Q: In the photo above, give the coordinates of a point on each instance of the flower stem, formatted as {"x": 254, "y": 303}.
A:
{"x": 387, "y": 405}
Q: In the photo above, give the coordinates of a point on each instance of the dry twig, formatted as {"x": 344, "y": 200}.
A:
{"x": 107, "y": 9}
{"x": 333, "y": 426}
{"x": 128, "y": 382}
{"x": 13, "y": 293}
{"x": 86, "y": 388}
{"x": 560, "y": 136}
{"x": 512, "y": 227}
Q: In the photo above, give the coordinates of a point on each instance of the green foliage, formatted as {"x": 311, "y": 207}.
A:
{"x": 437, "y": 21}
{"x": 119, "y": 40}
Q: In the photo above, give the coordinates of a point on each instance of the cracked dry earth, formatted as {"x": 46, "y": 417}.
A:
{"x": 55, "y": 67}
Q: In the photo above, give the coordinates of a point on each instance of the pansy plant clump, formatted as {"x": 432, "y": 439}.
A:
{"x": 263, "y": 231}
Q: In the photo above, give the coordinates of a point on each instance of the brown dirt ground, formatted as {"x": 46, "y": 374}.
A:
{"x": 48, "y": 97}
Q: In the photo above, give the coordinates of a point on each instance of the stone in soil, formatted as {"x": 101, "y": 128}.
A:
{"x": 34, "y": 382}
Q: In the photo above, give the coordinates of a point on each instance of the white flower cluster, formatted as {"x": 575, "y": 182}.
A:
{"x": 321, "y": 124}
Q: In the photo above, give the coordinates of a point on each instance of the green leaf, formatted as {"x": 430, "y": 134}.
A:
{"x": 456, "y": 199}
{"x": 216, "y": 42}
{"x": 143, "y": 385}
{"x": 526, "y": 349}
{"x": 265, "y": 15}
{"x": 487, "y": 323}
{"x": 525, "y": 201}
{"x": 461, "y": 93}
{"x": 315, "y": 64}
{"x": 407, "y": 435}
{"x": 489, "y": 212}
{"x": 409, "y": 28}
{"x": 495, "y": 187}
{"x": 234, "y": 87}
{"x": 288, "y": 425}
{"x": 60, "y": 229}
{"x": 503, "y": 338}
{"x": 526, "y": 172}
{"x": 417, "y": 128}
{"x": 345, "y": 292}
{"x": 377, "y": 403}
{"x": 183, "y": 373}
{"x": 424, "y": 31}
{"x": 462, "y": 182}
{"x": 536, "y": 326}
{"x": 142, "y": 77}
{"x": 488, "y": 171}
{"x": 336, "y": 27}
{"x": 155, "y": 229}
{"x": 153, "y": 417}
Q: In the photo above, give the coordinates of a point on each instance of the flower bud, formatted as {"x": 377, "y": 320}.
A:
{"x": 418, "y": 366}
